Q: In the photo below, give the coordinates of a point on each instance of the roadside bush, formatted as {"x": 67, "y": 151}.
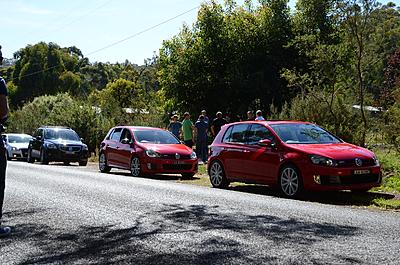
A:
{"x": 335, "y": 114}
{"x": 59, "y": 110}
{"x": 392, "y": 126}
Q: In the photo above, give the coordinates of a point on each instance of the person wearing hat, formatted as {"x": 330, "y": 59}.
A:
{"x": 250, "y": 115}
{"x": 217, "y": 123}
{"x": 4, "y": 230}
{"x": 175, "y": 126}
{"x": 204, "y": 113}
{"x": 259, "y": 116}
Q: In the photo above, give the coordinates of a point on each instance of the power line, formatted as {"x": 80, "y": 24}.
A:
{"x": 143, "y": 31}
{"x": 119, "y": 41}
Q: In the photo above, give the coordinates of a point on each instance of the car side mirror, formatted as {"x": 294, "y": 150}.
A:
{"x": 39, "y": 137}
{"x": 82, "y": 140}
{"x": 265, "y": 143}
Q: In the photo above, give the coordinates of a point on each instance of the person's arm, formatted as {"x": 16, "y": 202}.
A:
{"x": 3, "y": 107}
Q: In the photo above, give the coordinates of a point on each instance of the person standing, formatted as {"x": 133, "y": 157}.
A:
{"x": 250, "y": 115}
{"x": 259, "y": 116}
{"x": 202, "y": 139}
{"x": 217, "y": 123}
{"x": 204, "y": 113}
{"x": 187, "y": 130}
{"x": 175, "y": 126}
{"x": 4, "y": 230}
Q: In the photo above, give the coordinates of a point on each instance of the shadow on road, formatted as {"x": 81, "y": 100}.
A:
{"x": 333, "y": 197}
{"x": 156, "y": 177}
{"x": 194, "y": 234}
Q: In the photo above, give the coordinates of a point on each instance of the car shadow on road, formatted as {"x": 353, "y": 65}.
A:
{"x": 178, "y": 234}
{"x": 333, "y": 197}
{"x": 167, "y": 177}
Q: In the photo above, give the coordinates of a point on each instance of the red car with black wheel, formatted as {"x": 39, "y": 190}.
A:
{"x": 146, "y": 151}
{"x": 293, "y": 156}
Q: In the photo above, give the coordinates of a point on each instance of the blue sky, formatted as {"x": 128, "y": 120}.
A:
{"x": 91, "y": 25}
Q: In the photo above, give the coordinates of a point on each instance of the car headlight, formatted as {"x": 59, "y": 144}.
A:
{"x": 51, "y": 146}
{"x": 193, "y": 155}
{"x": 14, "y": 148}
{"x": 322, "y": 161}
{"x": 152, "y": 153}
{"x": 85, "y": 148}
{"x": 376, "y": 160}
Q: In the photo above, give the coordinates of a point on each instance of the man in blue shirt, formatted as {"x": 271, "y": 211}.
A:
{"x": 202, "y": 139}
{"x": 4, "y": 230}
{"x": 175, "y": 126}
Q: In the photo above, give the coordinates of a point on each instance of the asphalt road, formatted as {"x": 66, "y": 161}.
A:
{"x": 74, "y": 215}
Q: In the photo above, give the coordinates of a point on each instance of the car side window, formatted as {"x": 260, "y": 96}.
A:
{"x": 227, "y": 135}
{"x": 126, "y": 134}
{"x": 238, "y": 134}
{"x": 257, "y": 133}
{"x": 116, "y": 134}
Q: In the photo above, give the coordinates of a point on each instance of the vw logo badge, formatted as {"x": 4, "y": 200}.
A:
{"x": 177, "y": 156}
{"x": 358, "y": 162}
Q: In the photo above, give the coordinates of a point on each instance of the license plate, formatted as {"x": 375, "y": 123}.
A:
{"x": 69, "y": 153}
{"x": 179, "y": 162}
{"x": 361, "y": 171}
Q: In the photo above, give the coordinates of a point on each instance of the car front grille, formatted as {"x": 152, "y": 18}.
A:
{"x": 352, "y": 163}
{"x": 172, "y": 156}
{"x": 177, "y": 166}
{"x": 70, "y": 148}
{"x": 349, "y": 180}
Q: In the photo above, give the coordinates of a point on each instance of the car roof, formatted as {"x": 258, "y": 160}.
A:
{"x": 139, "y": 128}
{"x": 17, "y": 134}
{"x": 55, "y": 127}
{"x": 272, "y": 122}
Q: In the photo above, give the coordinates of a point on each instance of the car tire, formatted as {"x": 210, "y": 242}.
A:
{"x": 43, "y": 157}
{"x": 103, "y": 166}
{"x": 29, "y": 158}
{"x": 290, "y": 181}
{"x": 217, "y": 175}
{"x": 135, "y": 167}
{"x": 83, "y": 163}
{"x": 187, "y": 175}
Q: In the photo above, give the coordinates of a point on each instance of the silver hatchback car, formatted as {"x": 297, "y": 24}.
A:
{"x": 16, "y": 145}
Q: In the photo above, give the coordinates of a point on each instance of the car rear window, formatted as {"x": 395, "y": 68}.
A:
{"x": 236, "y": 134}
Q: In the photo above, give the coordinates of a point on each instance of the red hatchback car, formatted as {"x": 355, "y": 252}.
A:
{"x": 293, "y": 156}
{"x": 146, "y": 151}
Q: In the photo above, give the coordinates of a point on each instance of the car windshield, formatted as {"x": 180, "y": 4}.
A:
{"x": 300, "y": 133}
{"x": 18, "y": 139}
{"x": 155, "y": 137}
{"x": 62, "y": 134}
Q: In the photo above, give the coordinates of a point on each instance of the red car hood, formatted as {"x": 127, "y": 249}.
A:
{"x": 334, "y": 151}
{"x": 165, "y": 149}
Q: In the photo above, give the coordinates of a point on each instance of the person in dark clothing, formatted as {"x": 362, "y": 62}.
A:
{"x": 4, "y": 230}
{"x": 217, "y": 123}
{"x": 202, "y": 139}
{"x": 250, "y": 115}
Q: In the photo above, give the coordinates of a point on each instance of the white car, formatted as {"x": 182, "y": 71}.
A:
{"x": 16, "y": 145}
